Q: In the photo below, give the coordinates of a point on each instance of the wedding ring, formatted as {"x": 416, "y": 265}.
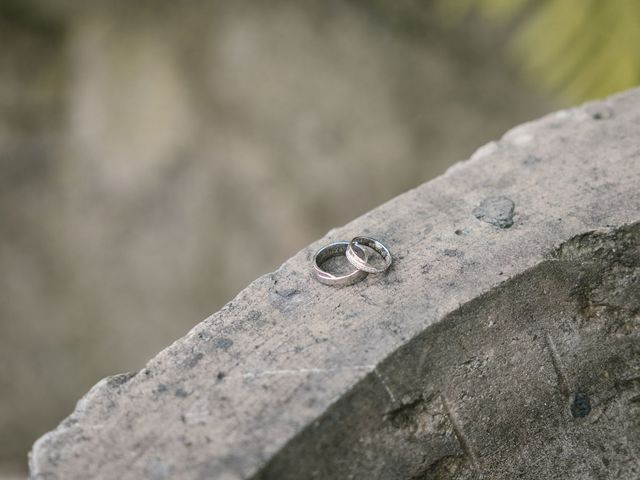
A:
{"x": 363, "y": 264}
{"x": 334, "y": 250}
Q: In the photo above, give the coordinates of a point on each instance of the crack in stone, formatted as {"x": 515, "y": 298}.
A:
{"x": 305, "y": 371}
{"x": 386, "y": 387}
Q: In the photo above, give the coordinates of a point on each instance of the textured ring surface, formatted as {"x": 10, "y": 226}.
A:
{"x": 333, "y": 250}
{"x": 363, "y": 264}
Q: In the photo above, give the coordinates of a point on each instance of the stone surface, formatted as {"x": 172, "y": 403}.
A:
{"x": 483, "y": 353}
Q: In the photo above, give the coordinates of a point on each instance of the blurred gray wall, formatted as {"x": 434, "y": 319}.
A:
{"x": 155, "y": 157}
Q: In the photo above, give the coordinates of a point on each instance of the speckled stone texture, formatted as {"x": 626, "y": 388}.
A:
{"x": 485, "y": 352}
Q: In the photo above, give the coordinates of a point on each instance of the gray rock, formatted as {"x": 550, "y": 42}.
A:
{"x": 515, "y": 355}
{"x": 497, "y": 211}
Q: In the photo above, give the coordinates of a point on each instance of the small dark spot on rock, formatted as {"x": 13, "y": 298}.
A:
{"x": 599, "y": 111}
{"x": 193, "y": 360}
{"x": 254, "y": 315}
{"x": 497, "y": 211}
{"x": 180, "y": 392}
{"x": 224, "y": 343}
{"x": 220, "y": 375}
{"x": 120, "y": 379}
{"x": 183, "y": 419}
{"x": 285, "y": 299}
{"x": 581, "y": 405}
{"x": 287, "y": 292}
{"x": 69, "y": 421}
{"x": 459, "y": 232}
{"x": 452, "y": 252}
{"x": 161, "y": 388}
{"x": 531, "y": 160}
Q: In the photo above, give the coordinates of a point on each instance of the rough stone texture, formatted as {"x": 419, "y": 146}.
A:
{"x": 483, "y": 353}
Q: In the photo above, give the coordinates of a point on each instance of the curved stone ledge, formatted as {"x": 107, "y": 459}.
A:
{"x": 503, "y": 342}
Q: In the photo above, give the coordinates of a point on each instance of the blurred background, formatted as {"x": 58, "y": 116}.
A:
{"x": 157, "y": 156}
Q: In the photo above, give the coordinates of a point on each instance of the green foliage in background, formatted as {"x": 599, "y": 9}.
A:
{"x": 580, "y": 49}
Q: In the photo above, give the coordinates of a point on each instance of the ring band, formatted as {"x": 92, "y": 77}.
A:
{"x": 336, "y": 249}
{"x": 373, "y": 244}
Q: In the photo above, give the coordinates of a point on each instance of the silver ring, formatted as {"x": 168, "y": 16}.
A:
{"x": 333, "y": 250}
{"x": 373, "y": 244}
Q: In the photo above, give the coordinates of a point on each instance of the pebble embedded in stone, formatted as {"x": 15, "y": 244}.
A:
{"x": 497, "y": 211}
{"x": 581, "y": 405}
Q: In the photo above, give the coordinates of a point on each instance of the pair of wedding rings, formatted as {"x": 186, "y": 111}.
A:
{"x": 357, "y": 257}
